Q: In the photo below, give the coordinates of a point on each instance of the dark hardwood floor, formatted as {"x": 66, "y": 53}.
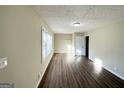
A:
{"x": 66, "y": 71}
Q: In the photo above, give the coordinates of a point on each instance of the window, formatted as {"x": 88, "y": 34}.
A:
{"x": 46, "y": 44}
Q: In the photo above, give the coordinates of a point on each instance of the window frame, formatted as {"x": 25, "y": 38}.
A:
{"x": 47, "y": 44}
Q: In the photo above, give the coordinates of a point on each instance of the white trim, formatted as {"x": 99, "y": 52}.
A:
{"x": 113, "y": 72}
{"x": 44, "y": 70}
{"x": 119, "y": 76}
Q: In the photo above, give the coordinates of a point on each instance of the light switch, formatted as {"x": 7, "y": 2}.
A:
{"x": 3, "y": 62}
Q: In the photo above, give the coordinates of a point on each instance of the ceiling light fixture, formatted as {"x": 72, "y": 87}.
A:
{"x": 76, "y": 24}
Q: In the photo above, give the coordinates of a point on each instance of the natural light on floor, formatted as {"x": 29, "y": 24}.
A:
{"x": 78, "y": 52}
{"x": 97, "y": 65}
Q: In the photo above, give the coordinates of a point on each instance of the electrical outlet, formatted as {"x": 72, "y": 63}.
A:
{"x": 3, "y": 62}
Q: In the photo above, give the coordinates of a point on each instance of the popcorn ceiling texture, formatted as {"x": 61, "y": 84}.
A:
{"x": 61, "y": 18}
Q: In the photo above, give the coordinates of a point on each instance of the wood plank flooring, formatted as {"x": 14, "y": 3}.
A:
{"x": 66, "y": 71}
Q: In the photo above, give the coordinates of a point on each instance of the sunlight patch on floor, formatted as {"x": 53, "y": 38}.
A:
{"x": 97, "y": 65}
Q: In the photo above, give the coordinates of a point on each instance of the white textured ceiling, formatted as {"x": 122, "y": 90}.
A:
{"x": 61, "y": 17}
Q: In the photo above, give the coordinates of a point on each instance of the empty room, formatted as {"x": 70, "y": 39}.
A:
{"x": 62, "y": 46}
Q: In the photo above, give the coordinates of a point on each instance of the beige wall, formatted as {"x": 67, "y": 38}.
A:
{"x": 107, "y": 44}
{"x": 62, "y": 43}
{"x": 0, "y": 35}
{"x": 20, "y": 28}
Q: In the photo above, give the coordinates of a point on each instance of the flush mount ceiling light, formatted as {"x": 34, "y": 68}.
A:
{"x": 76, "y": 24}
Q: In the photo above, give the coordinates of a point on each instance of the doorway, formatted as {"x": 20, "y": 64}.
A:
{"x": 87, "y": 46}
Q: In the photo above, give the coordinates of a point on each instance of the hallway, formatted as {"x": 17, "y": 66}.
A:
{"x": 67, "y": 71}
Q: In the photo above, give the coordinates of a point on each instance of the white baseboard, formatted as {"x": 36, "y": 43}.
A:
{"x": 113, "y": 72}
{"x": 121, "y": 77}
{"x": 44, "y": 70}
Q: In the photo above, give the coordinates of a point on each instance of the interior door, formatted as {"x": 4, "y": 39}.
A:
{"x": 79, "y": 45}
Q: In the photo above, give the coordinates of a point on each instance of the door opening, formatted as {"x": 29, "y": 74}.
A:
{"x": 87, "y": 46}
